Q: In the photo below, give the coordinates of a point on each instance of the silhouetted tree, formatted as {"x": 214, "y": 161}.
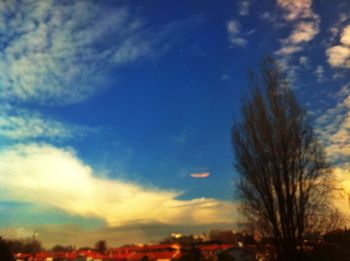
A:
{"x": 85, "y": 248}
{"x": 60, "y": 248}
{"x": 17, "y": 246}
{"x": 5, "y": 251}
{"x": 284, "y": 178}
{"x": 31, "y": 246}
{"x": 101, "y": 246}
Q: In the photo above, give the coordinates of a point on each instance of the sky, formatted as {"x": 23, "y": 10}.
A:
{"x": 115, "y": 116}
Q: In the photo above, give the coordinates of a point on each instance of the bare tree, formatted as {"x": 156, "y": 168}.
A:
{"x": 284, "y": 178}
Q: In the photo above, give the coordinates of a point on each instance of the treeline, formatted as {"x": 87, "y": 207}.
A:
{"x": 31, "y": 246}
{"x": 8, "y": 247}
{"x": 214, "y": 236}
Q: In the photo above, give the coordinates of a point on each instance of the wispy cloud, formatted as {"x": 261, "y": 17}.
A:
{"x": 225, "y": 76}
{"x": 235, "y": 34}
{"x": 289, "y": 49}
{"x": 244, "y": 7}
{"x": 43, "y": 174}
{"x": 303, "y": 60}
{"x": 23, "y": 125}
{"x": 319, "y": 73}
{"x": 61, "y": 52}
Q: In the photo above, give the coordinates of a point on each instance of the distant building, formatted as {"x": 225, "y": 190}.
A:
{"x": 159, "y": 252}
{"x": 237, "y": 254}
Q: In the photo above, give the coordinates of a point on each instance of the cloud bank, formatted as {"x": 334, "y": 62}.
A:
{"x": 43, "y": 174}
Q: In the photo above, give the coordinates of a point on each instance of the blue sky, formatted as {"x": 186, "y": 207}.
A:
{"x": 110, "y": 109}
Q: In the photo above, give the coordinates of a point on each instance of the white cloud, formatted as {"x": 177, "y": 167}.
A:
{"x": 234, "y": 33}
{"x": 345, "y": 37}
{"x": 59, "y": 52}
{"x": 55, "y": 177}
{"x": 296, "y": 9}
{"x": 303, "y": 32}
{"x": 339, "y": 55}
{"x": 304, "y": 21}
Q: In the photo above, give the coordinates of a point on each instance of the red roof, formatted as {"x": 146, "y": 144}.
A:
{"x": 161, "y": 247}
{"x": 125, "y": 248}
{"x": 154, "y": 252}
{"x": 154, "y": 255}
{"x": 145, "y": 248}
{"x": 214, "y": 247}
{"x": 23, "y": 255}
{"x": 66, "y": 255}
